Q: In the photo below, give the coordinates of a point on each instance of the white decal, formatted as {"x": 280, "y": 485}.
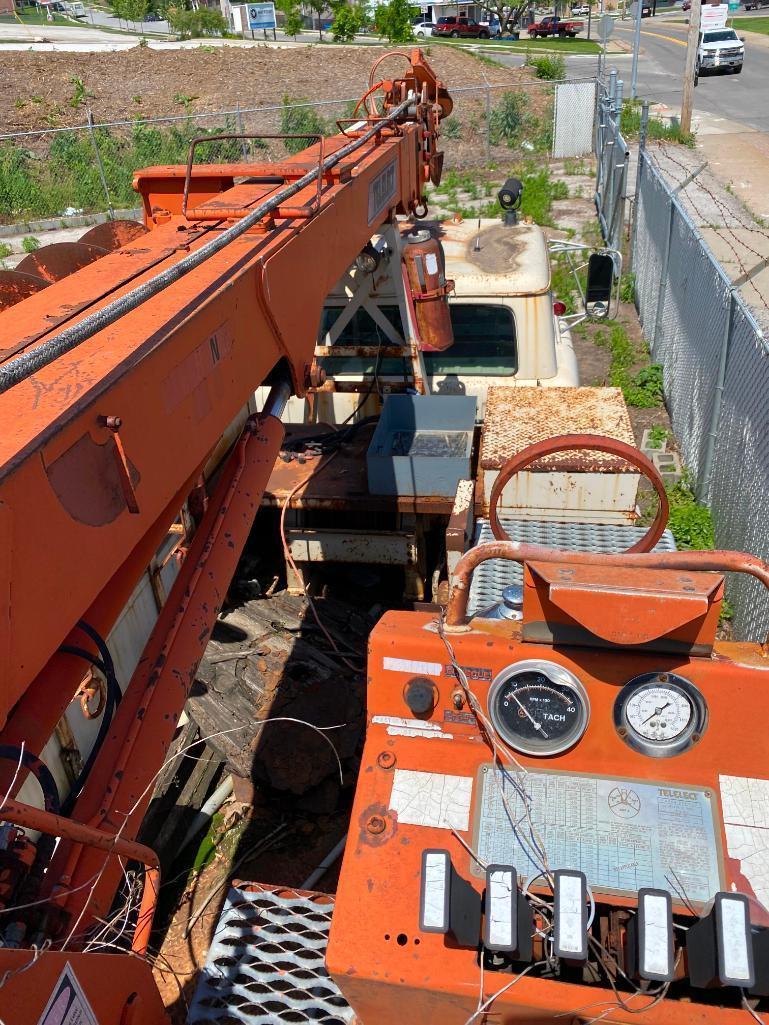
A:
{"x": 405, "y": 665}
{"x": 745, "y": 804}
{"x": 411, "y": 731}
{"x": 416, "y": 724}
{"x": 431, "y": 799}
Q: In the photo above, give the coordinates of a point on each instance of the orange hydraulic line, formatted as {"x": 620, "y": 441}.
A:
{"x": 515, "y": 551}
{"x": 147, "y": 910}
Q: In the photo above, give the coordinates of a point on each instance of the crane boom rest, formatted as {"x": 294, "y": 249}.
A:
{"x": 118, "y": 382}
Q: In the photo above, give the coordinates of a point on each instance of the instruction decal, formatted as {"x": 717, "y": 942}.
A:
{"x": 407, "y": 665}
{"x": 68, "y": 1004}
{"x": 431, "y": 799}
{"x": 624, "y": 834}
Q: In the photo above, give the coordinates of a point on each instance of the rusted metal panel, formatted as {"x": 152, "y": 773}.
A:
{"x": 359, "y": 546}
{"x": 519, "y": 417}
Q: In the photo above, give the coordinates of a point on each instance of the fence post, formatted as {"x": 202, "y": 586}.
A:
{"x": 99, "y": 165}
{"x": 661, "y": 299}
{"x": 242, "y": 131}
{"x": 618, "y": 100}
{"x": 488, "y": 124}
{"x": 706, "y": 474}
{"x": 637, "y": 192}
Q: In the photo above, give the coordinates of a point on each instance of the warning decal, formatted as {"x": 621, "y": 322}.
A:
{"x": 68, "y": 1004}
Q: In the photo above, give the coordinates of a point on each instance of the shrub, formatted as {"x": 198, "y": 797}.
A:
{"x": 394, "y": 19}
{"x": 551, "y": 67}
{"x": 348, "y": 20}
{"x": 295, "y": 120}
{"x": 30, "y": 244}
{"x": 507, "y": 119}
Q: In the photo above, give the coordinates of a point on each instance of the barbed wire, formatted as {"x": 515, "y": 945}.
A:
{"x": 722, "y": 207}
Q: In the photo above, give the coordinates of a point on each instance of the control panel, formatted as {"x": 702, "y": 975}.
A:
{"x": 550, "y": 833}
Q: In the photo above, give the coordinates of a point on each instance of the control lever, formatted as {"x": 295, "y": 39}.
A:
{"x": 447, "y": 902}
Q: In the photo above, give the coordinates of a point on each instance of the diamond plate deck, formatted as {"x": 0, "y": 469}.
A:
{"x": 491, "y": 577}
{"x": 266, "y": 964}
{"x": 518, "y": 417}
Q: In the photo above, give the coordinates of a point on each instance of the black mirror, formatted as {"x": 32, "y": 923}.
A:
{"x": 600, "y": 282}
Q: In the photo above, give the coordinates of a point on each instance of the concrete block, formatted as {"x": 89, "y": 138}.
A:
{"x": 668, "y": 464}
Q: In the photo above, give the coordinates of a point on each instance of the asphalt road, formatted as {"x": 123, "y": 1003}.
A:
{"x": 739, "y": 98}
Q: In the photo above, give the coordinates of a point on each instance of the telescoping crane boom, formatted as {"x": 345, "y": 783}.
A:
{"x": 117, "y": 383}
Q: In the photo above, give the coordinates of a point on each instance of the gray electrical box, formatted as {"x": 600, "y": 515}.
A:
{"x": 422, "y": 445}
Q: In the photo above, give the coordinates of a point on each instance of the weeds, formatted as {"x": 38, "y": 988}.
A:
{"x": 451, "y": 128}
{"x": 550, "y": 67}
{"x": 30, "y": 244}
{"x": 627, "y": 288}
{"x": 575, "y": 168}
{"x": 511, "y": 122}
{"x": 642, "y": 390}
{"x": 5, "y": 250}
{"x": 630, "y": 126}
{"x": 658, "y": 436}
{"x": 296, "y": 120}
{"x": 80, "y": 93}
{"x": 690, "y": 523}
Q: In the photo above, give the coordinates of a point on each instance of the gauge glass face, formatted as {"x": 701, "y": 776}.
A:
{"x": 659, "y": 713}
{"x": 540, "y": 710}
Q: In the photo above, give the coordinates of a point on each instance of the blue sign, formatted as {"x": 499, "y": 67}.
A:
{"x": 261, "y": 16}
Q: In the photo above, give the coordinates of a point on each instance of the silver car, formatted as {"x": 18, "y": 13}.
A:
{"x": 422, "y": 29}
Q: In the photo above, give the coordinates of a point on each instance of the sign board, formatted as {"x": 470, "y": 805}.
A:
{"x": 605, "y": 27}
{"x": 261, "y": 16}
{"x": 713, "y": 16}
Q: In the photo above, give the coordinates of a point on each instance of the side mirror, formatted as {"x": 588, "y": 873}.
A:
{"x": 600, "y": 282}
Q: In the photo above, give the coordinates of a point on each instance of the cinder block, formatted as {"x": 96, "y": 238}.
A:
{"x": 668, "y": 464}
{"x": 646, "y": 446}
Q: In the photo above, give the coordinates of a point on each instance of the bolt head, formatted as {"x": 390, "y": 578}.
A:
{"x": 385, "y": 760}
{"x": 376, "y": 824}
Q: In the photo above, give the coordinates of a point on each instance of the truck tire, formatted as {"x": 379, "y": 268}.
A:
{"x": 737, "y": 70}
{"x": 455, "y": 34}
{"x": 483, "y": 35}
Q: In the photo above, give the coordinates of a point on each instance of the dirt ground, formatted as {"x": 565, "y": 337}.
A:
{"x": 43, "y": 90}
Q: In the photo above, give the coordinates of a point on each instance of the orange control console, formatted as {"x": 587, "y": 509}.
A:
{"x": 562, "y": 818}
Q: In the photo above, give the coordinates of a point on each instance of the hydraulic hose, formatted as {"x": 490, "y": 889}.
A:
{"x": 70, "y": 338}
{"x": 39, "y": 770}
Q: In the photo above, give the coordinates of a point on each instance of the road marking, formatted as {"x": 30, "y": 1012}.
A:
{"x": 659, "y": 35}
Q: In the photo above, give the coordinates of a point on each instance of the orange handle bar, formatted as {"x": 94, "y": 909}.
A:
{"x": 515, "y": 551}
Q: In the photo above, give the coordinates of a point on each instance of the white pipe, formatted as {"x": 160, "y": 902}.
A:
{"x": 325, "y": 865}
{"x": 207, "y": 812}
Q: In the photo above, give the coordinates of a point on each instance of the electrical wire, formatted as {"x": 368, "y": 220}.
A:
{"x": 321, "y": 730}
{"x": 503, "y": 989}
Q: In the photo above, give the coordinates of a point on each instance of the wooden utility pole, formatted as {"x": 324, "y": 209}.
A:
{"x": 687, "y": 102}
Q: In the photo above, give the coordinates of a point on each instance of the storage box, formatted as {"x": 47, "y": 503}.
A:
{"x": 422, "y": 445}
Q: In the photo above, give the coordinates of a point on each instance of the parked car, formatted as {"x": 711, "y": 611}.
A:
{"x": 752, "y": 5}
{"x": 646, "y": 10}
{"x": 153, "y": 16}
{"x": 553, "y": 26}
{"x": 467, "y": 28}
{"x": 719, "y": 49}
{"x": 580, "y": 12}
{"x": 422, "y": 28}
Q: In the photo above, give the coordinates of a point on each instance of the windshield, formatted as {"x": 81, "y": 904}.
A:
{"x": 484, "y": 343}
{"x": 727, "y": 35}
{"x": 446, "y": 21}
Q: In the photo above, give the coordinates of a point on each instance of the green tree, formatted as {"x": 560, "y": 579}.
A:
{"x": 293, "y": 23}
{"x": 348, "y": 20}
{"x": 394, "y": 19}
{"x": 318, "y": 7}
{"x": 508, "y": 14}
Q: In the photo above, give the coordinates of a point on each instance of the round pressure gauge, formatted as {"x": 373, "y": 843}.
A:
{"x": 660, "y": 714}
{"x": 538, "y": 708}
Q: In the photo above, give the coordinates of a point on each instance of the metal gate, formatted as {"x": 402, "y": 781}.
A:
{"x": 573, "y": 117}
{"x": 612, "y": 156}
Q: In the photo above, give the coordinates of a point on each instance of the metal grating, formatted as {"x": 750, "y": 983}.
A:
{"x": 491, "y": 577}
{"x": 266, "y": 964}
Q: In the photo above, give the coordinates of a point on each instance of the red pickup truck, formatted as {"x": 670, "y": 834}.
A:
{"x": 551, "y": 26}
{"x": 461, "y": 27}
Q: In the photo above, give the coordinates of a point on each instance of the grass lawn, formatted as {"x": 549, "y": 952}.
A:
{"x": 752, "y": 25}
{"x": 33, "y": 16}
{"x": 564, "y": 46}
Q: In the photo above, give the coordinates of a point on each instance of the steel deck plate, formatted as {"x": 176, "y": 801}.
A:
{"x": 490, "y": 578}
{"x": 266, "y": 964}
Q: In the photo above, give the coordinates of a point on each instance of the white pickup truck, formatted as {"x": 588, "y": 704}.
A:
{"x": 719, "y": 49}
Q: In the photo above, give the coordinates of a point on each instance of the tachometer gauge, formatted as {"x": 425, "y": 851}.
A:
{"x": 538, "y": 708}
{"x": 660, "y": 714}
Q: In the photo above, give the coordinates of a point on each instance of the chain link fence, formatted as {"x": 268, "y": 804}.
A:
{"x": 88, "y": 168}
{"x": 716, "y": 378}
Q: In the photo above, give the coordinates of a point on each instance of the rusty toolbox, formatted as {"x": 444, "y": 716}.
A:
{"x": 422, "y": 445}
{"x": 593, "y": 487}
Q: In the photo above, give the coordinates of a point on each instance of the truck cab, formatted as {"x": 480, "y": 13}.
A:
{"x": 502, "y": 313}
{"x": 719, "y": 49}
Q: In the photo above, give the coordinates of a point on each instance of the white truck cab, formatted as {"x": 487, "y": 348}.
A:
{"x": 719, "y": 49}
{"x": 505, "y": 329}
